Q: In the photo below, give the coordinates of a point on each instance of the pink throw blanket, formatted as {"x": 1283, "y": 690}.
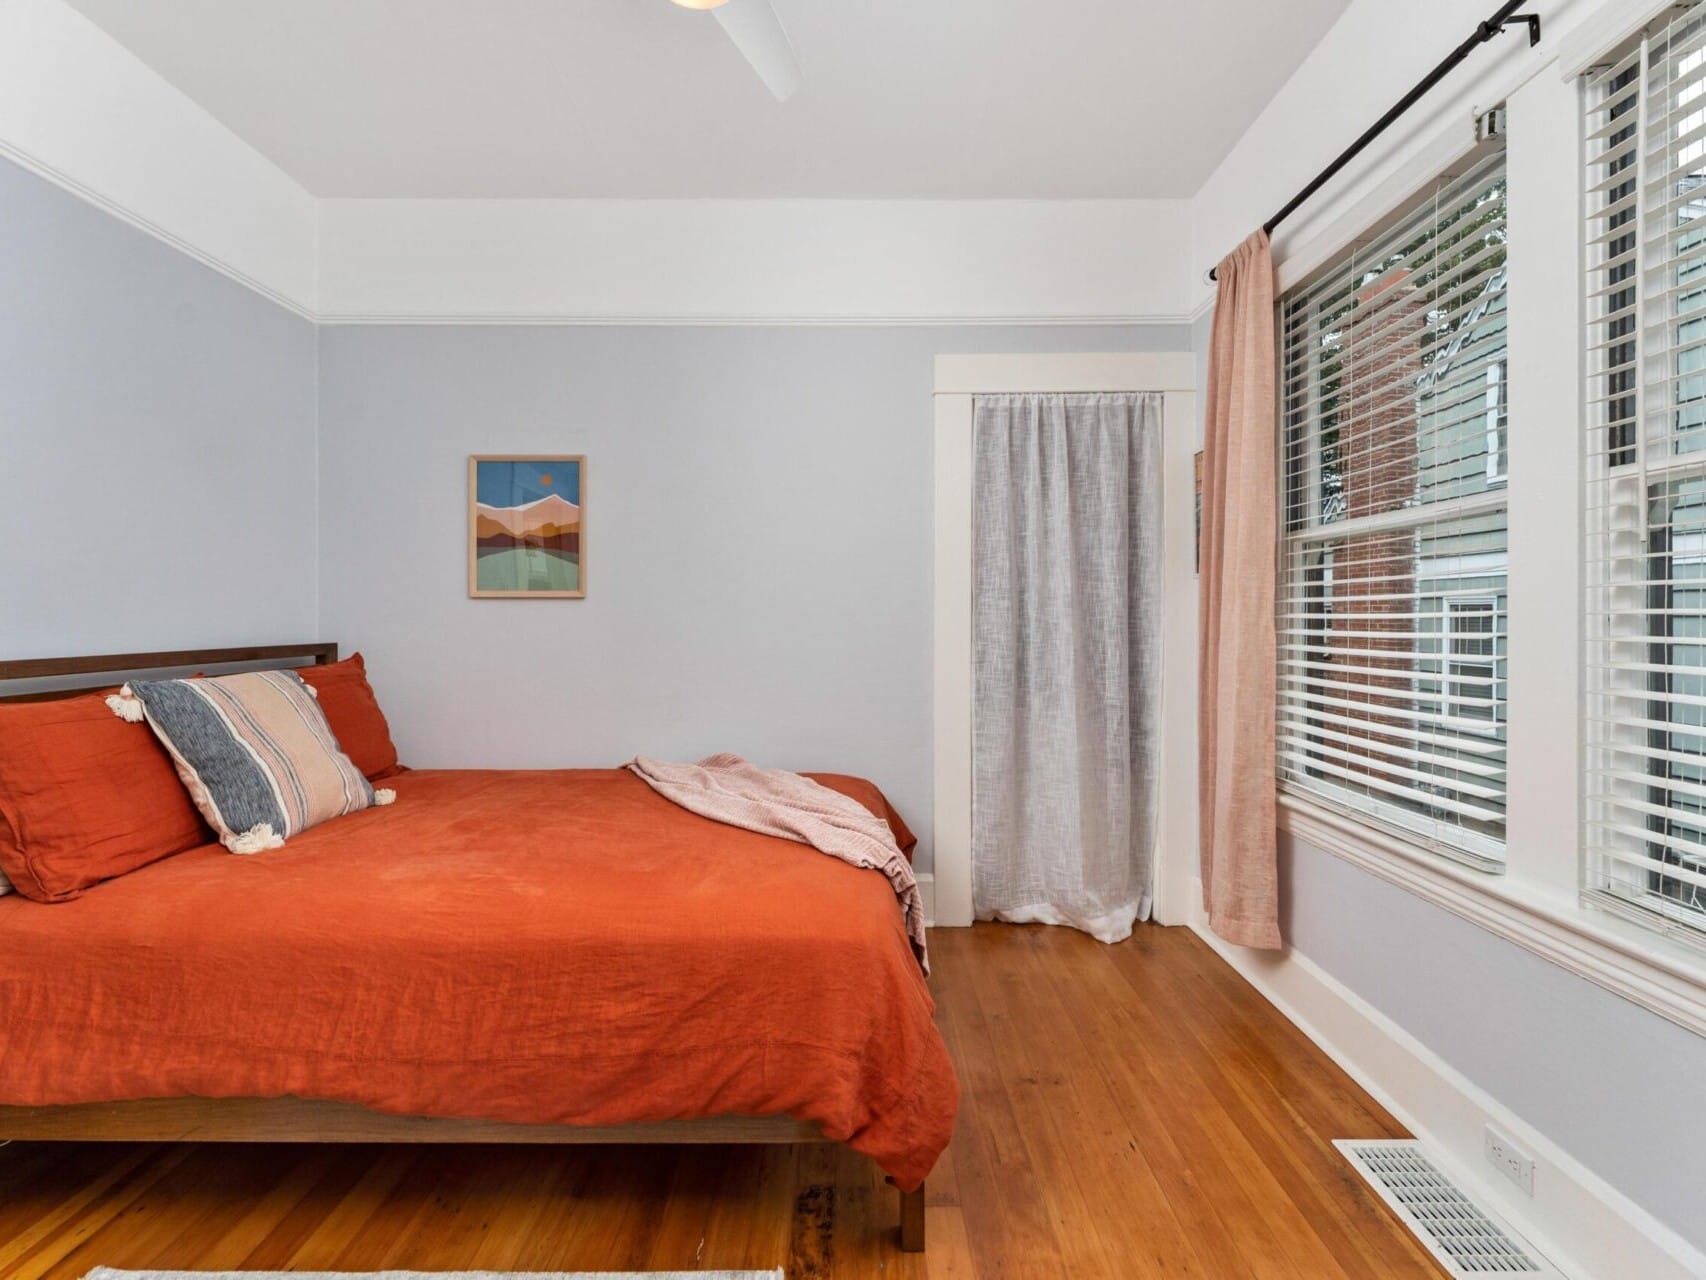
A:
{"x": 774, "y": 802}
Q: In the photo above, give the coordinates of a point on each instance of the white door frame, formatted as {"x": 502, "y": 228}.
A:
{"x": 958, "y": 378}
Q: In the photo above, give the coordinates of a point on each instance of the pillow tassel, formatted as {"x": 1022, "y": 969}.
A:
{"x": 125, "y": 705}
{"x": 384, "y": 795}
{"x": 256, "y": 838}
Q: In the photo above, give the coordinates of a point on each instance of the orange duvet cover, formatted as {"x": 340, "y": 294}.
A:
{"x": 551, "y": 947}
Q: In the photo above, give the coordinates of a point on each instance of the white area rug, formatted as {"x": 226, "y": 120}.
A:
{"x": 108, "y": 1273}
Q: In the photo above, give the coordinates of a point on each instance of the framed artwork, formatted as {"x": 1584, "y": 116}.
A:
{"x": 527, "y": 526}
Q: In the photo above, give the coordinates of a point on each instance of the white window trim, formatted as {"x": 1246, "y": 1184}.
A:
{"x": 1479, "y": 853}
{"x": 958, "y": 378}
{"x": 1618, "y": 823}
{"x": 1628, "y": 959}
{"x": 1537, "y": 902}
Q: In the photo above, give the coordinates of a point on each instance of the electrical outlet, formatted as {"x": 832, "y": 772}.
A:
{"x": 1510, "y": 1159}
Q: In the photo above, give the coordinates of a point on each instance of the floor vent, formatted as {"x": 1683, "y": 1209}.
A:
{"x": 1467, "y": 1239}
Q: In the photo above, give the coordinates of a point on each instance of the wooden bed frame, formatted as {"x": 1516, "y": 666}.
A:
{"x": 308, "y": 1119}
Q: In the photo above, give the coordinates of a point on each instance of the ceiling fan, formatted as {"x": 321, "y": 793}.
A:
{"x": 757, "y": 32}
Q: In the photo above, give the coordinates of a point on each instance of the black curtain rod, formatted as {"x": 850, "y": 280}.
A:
{"x": 1493, "y": 26}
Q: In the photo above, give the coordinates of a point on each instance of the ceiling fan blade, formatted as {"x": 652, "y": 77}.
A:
{"x": 757, "y": 32}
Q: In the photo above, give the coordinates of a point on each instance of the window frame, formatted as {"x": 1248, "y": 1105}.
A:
{"x": 1537, "y": 903}
{"x": 1636, "y": 483}
{"x": 1309, "y": 534}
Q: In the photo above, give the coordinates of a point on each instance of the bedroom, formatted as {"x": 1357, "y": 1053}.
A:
{"x": 783, "y": 354}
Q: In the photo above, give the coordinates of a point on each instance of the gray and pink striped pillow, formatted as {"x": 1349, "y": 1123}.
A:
{"x": 255, "y": 752}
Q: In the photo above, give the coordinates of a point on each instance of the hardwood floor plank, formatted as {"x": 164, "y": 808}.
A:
{"x": 1010, "y": 1230}
{"x": 304, "y": 1218}
{"x": 440, "y": 1206}
{"x": 1273, "y": 1237}
{"x": 188, "y": 1199}
{"x": 1087, "y": 1165}
{"x": 341, "y": 1227}
{"x": 1221, "y": 1193}
{"x": 1317, "y": 1113}
{"x": 238, "y": 1233}
{"x": 38, "y": 1182}
{"x": 1283, "y": 1115}
{"x": 63, "y": 1228}
{"x": 679, "y": 1241}
{"x": 565, "y": 1218}
{"x": 1129, "y": 1111}
{"x": 948, "y": 1254}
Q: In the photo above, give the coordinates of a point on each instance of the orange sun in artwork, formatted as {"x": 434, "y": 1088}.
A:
{"x": 545, "y": 479}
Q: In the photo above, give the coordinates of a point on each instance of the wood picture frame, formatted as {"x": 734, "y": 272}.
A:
{"x": 527, "y": 526}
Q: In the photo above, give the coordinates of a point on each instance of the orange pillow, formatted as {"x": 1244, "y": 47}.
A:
{"x": 868, "y": 794}
{"x": 84, "y": 797}
{"x": 347, "y": 701}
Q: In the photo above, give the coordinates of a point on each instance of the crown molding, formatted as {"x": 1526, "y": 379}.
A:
{"x": 81, "y": 111}
{"x": 130, "y": 217}
{"x": 752, "y": 262}
{"x": 450, "y": 316}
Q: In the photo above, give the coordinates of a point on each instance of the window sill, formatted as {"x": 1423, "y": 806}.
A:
{"x": 1657, "y": 973}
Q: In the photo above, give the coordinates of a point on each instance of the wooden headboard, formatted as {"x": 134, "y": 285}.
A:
{"x": 114, "y": 668}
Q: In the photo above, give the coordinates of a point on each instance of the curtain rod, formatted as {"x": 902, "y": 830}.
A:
{"x": 1493, "y": 26}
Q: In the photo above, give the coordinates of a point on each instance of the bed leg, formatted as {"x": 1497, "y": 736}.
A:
{"x": 912, "y": 1221}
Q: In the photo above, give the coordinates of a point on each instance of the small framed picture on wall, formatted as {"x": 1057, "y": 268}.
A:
{"x": 527, "y": 526}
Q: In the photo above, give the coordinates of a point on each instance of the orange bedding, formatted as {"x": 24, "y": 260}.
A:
{"x": 534, "y": 947}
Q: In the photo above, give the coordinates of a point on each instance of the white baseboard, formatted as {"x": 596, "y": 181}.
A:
{"x": 1586, "y": 1228}
{"x": 927, "y": 893}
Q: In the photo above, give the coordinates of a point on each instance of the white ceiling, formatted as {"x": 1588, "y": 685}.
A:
{"x": 639, "y": 98}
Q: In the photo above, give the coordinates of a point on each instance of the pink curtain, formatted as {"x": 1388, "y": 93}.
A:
{"x": 1236, "y": 652}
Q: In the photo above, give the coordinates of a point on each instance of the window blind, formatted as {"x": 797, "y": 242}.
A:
{"x": 1392, "y": 600}
{"x": 1645, "y": 590}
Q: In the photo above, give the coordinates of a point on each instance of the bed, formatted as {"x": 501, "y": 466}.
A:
{"x": 551, "y": 956}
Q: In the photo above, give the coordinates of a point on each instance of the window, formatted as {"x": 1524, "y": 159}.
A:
{"x": 1392, "y": 601}
{"x": 1496, "y": 422}
{"x": 1645, "y": 660}
{"x": 1472, "y": 671}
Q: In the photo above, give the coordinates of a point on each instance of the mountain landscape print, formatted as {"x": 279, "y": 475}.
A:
{"x": 526, "y": 526}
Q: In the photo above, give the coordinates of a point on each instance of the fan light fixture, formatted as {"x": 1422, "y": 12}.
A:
{"x": 753, "y": 27}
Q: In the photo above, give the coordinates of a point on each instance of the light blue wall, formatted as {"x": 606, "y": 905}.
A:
{"x": 187, "y": 464}
{"x": 1614, "y": 1085}
{"x": 1202, "y": 331}
{"x": 157, "y": 442}
{"x": 758, "y": 542}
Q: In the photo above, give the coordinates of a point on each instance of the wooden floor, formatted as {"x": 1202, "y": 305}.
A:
{"x": 1130, "y": 1111}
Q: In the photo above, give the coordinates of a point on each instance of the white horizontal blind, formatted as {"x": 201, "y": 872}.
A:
{"x": 1645, "y": 664}
{"x": 1392, "y": 602}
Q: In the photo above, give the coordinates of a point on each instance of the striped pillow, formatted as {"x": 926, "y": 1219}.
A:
{"x": 255, "y": 752}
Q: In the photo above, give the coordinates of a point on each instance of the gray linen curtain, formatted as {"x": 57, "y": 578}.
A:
{"x": 1066, "y": 619}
